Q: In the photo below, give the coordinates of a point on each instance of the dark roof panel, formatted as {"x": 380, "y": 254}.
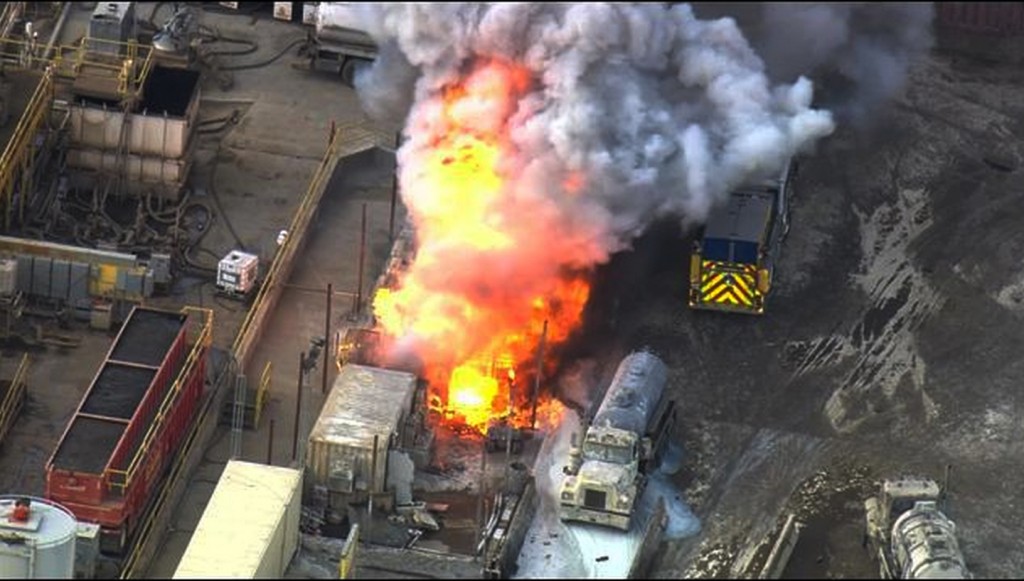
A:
{"x": 744, "y": 217}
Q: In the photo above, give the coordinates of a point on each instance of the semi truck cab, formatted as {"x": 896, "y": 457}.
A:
{"x": 733, "y": 260}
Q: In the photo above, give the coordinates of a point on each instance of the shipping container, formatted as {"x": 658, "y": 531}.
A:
{"x": 250, "y": 527}
{"x": 364, "y": 402}
{"x": 130, "y": 422}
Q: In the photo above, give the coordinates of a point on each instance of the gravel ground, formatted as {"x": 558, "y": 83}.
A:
{"x": 890, "y": 345}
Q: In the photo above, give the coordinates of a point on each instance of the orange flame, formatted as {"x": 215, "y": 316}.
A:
{"x": 472, "y": 331}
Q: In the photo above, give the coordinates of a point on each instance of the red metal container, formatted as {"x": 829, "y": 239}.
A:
{"x": 129, "y": 424}
{"x": 988, "y": 18}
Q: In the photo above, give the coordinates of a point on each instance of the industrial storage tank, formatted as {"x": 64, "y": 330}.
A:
{"x": 634, "y": 393}
{"x": 39, "y": 539}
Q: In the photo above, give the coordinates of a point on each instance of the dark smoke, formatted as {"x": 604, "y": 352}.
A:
{"x": 858, "y": 53}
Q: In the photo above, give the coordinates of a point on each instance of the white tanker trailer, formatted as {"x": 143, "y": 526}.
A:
{"x": 607, "y": 474}
{"x": 910, "y": 536}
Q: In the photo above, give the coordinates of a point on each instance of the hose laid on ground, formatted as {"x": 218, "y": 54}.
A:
{"x": 269, "y": 61}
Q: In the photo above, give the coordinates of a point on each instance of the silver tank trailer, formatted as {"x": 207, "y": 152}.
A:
{"x": 42, "y": 546}
{"x": 338, "y": 23}
{"x": 924, "y": 545}
{"x": 634, "y": 393}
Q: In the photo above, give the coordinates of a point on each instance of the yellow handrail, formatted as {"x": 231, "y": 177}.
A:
{"x": 346, "y": 139}
{"x": 11, "y": 12}
{"x": 12, "y": 396}
{"x": 18, "y": 153}
{"x": 124, "y": 477}
{"x": 305, "y": 207}
{"x": 132, "y": 67}
{"x": 261, "y": 394}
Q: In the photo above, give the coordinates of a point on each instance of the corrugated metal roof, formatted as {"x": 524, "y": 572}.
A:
{"x": 239, "y": 521}
{"x": 365, "y": 401}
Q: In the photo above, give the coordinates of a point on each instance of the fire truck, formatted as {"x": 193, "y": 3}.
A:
{"x": 734, "y": 258}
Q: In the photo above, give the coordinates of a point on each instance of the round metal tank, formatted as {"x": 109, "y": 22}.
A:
{"x": 634, "y": 393}
{"x": 925, "y": 546}
{"x": 42, "y": 546}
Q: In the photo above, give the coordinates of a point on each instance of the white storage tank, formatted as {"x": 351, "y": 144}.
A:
{"x": 38, "y": 539}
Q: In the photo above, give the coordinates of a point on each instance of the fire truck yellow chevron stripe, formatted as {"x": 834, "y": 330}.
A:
{"x": 711, "y": 282}
{"x": 725, "y": 285}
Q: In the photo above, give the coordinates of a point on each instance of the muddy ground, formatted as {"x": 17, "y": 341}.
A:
{"x": 891, "y": 344}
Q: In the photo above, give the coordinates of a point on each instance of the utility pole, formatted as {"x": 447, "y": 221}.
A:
{"x": 362, "y": 259}
{"x": 480, "y": 495}
{"x": 327, "y": 336}
{"x": 536, "y": 380}
{"x": 298, "y": 408}
{"x": 270, "y": 445}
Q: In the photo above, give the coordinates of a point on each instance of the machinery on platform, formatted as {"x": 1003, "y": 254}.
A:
{"x": 908, "y": 533}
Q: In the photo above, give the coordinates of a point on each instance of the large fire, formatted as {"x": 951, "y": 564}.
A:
{"x": 476, "y": 309}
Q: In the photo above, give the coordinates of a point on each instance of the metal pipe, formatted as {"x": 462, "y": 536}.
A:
{"x": 298, "y": 408}
{"x": 536, "y": 381}
{"x": 327, "y": 336}
{"x": 309, "y": 289}
{"x": 57, "y": 29}
{"x": 362, "y": 260}
{"x": 270, "y": 445}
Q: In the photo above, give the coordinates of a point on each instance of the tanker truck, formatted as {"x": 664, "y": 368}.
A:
{"x": 607, "y": 474}
{"x": 909, "y": 535}
{"x": 338, "y": 44}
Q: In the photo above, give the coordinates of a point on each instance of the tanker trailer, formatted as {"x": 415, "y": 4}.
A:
{"x": 607, "y": 475}
{"x": 909, "y": 535}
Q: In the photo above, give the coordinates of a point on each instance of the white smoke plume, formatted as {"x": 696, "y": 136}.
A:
{"x": 662, "y": 111}
{"x": 654, "y": 111}
{"x": 859, "y": 53}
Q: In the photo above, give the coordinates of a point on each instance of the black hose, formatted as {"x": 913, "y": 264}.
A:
{"x": 216, "y": 201}
{"x": 217, "y": 37}
{"x": 269, "y": 61}
{"x": 152, "y": 15}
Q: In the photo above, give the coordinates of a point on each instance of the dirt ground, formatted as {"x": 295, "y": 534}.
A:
{"x": 890, "y": 345}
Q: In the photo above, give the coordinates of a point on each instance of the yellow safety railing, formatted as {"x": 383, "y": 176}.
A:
{"x": 261, "y": 394}
{"x": 129, "y": 62}
{"x": 14, "y": 394}
{"x": 121, "y": 479}
{"x": 12, "y": 10}
{"x": 346, "y": 140}
{"x": 304, "y": 211}
{"x": 18, "y": 155}
{"x": 132, "y": 561}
